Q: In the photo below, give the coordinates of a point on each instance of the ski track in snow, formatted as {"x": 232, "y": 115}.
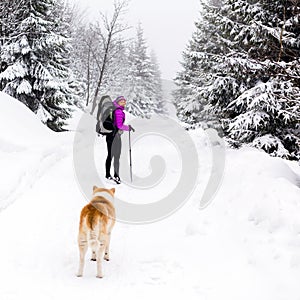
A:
{"x": 244, "y": 245}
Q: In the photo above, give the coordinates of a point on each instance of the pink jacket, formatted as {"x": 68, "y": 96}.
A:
{"x": 120, "y": 117}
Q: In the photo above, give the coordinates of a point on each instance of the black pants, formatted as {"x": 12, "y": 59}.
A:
{"x": 113, "y": 142}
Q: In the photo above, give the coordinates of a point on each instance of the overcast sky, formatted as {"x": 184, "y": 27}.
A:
{"x": 168, "y": 25}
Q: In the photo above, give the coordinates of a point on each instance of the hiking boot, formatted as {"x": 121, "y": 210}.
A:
{"x": 117, "y": 179}
{"x": 113, "y": 179}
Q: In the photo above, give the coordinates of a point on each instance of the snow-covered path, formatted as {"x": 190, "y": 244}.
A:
{"x": 244, "y": 245}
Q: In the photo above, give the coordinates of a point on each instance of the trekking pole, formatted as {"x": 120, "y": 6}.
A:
{"x": 130, "y": 161}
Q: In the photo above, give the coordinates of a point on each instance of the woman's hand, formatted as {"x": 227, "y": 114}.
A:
{"x": 131, "y": 128}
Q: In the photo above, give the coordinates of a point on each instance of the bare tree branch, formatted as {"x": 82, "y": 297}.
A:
{"x": 113, "y": 28}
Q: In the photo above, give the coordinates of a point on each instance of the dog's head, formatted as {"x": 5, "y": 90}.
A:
{"x": 99, "y": 190}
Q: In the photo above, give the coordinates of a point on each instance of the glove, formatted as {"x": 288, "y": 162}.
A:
{"x": 131, "y": 128}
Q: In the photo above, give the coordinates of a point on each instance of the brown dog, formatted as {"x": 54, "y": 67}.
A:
{"x": 96, "y": 222}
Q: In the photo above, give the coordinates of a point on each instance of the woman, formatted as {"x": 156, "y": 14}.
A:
{"x": 113, "y": 140}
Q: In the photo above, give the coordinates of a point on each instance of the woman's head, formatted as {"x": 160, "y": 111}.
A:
{"x": 121, "y": 101}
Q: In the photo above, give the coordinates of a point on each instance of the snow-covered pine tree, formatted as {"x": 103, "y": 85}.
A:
{"x": 10, "y": 15}
{"x": 252, "y": 83}
{"x": 265, "y": 63}
{"x": 197, "y": 65}
{"x": 139, "y": 91}
{"x": 215, "y": 3}
{"x": 37, "y": 56}
{"x": 70, "y": 17}
{"x": 159, "y": 102}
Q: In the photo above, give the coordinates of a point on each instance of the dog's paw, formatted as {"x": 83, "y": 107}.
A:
{"x": 99, "y": 276}
{"x": 93, "y": 259}
{"x": 79, "y": 275}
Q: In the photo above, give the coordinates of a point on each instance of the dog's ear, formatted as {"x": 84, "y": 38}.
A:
{"x": 94, "y": 188}
{"x": 113, "y": 190}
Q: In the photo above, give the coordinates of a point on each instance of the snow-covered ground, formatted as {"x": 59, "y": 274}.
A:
{"x": 244, "y": 245}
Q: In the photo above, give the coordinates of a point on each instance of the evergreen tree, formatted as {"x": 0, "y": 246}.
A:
{"x": 242, "y": 66}
{"x": 10, "y": 16}
{"x": 159, "y": 102}
{"x": 140, "y": 95}
{"x": 188, "y": 99}
{"x": 37, "y": 56}
{"x": 69, "y": 16}
{"x": 267, "y": 113}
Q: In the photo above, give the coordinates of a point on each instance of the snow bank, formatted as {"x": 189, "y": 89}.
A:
{"x": 27, "y": 148}
{"x": 19, "y": 125}
{"x": 262, "y": 190}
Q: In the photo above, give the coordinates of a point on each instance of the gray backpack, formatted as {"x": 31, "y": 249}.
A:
{"x": 105, "y": 116}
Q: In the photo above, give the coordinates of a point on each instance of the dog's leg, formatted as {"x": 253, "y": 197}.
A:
{"x": 100, "y": 254}
{"x": 110, "y": 227}
{"x": 83, "y": 246}
{"x": 106, "y": 256}
{"x": 94, "y": 244}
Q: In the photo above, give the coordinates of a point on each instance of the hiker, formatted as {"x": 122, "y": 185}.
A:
{"x": 113, "y": 139}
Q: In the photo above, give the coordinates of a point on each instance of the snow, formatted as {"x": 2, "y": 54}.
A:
{"x": 244, "y": 245}
{"x": 24, "y": 87}
{"x": 14, "y": 71}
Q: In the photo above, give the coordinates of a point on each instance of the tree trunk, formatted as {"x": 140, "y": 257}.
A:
{"x": 101, "y": 73}
{"x": 88, "y": 77}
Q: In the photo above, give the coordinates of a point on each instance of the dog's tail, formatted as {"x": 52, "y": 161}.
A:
{"x": 97, "y": 224}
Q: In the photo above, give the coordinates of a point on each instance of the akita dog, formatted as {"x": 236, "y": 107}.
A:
{"x": 96, "y": 222}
